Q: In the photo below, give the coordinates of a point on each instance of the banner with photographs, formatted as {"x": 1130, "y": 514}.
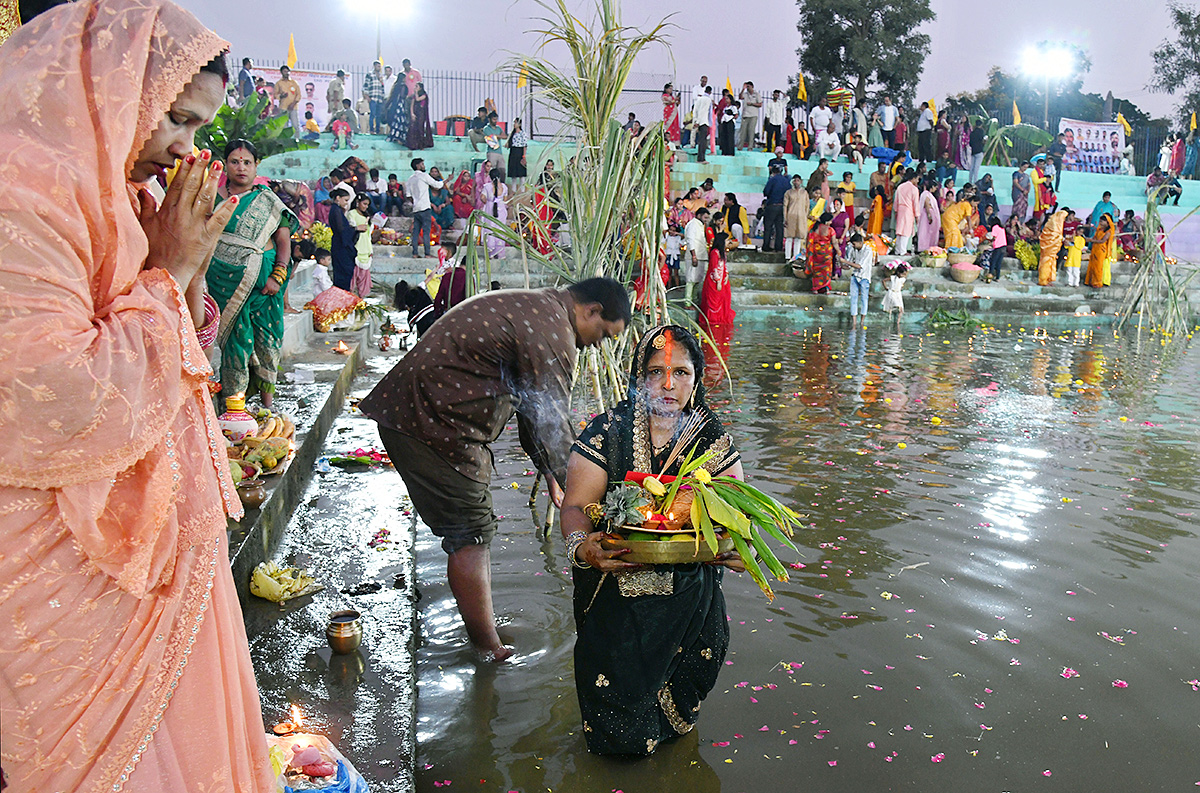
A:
{"x": 313, "y": 86}
{"x": 1092, "y": 147}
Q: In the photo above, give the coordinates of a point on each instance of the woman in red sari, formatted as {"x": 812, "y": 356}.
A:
{"x": 463, "y": 195}
{"x": 820, "y": 248}
{"x": 670, "y": 101}
{"x": 716, "y": 300}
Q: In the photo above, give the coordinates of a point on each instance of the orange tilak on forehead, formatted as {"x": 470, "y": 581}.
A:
{"x": 665, "y": 341}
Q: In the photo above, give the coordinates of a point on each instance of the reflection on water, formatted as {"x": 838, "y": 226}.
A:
{"x": 985, "y": 513}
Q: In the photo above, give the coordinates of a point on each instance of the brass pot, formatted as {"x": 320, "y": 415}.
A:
{"x": 344, "y": 631}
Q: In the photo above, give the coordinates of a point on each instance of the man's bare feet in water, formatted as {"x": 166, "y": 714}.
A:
{"x": 498, "y": 655}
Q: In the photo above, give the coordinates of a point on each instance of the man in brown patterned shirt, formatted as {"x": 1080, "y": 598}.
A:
{"x": 446, "y": 400}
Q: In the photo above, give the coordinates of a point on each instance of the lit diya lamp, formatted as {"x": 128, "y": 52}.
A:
{"x": 307, "y": 758}
{"x": 291, "y": 726}
{"x": 341, "y": 348}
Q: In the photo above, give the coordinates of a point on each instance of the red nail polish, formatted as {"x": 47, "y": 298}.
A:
{"x": 204, "y": 155}
{"x": 216, "y": 166}
{"x": 190, "y": 159}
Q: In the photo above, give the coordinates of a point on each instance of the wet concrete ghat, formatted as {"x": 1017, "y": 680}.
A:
{"x": 314, "y": 405}
{"x": 365, "y": 702}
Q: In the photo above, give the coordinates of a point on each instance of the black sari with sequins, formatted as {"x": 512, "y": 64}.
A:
{"x": 650, "y": 642}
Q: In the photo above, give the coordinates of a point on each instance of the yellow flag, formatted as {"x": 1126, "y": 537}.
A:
{"x": 291, "y": 59}
{"x": 523, "y": 76}
{"x": 1193, "y": 126}
{"x": 728, "y": 85}
{"x": 933, "y": 109}
{"x": 801, "y": 89}
{"x": 1016, "y": 113}
{"x": 1124, "y": 124}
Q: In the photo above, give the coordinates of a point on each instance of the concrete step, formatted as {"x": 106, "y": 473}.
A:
{"x": 759, "y": 269}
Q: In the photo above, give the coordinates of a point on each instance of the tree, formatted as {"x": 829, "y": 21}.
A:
{"x": 869, "y": 45}
{"x": 1177, "y": 63}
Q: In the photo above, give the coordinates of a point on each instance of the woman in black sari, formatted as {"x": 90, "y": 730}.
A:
{"x": 650, "y": 639}
{"x": 398, "y": 112}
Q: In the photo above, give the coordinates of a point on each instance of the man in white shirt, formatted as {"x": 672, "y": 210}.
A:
{"x": 925, "y": 133}
{"x": 418, "y": 186}
{"x": 695, "y": 257}
{"x": 702, "y": 110}
{"x": 819, "y": 117}
{"x": 751, "y": 102}
{"x": 829, "y": 145}
{"x": 375, "y": 188}
{"x": 888, "y": 113}
{"x": 389, "y": 80}
{"x": 775, "y": 109}
{"x": 861, "y": 258}
{"x": 699, "y": 87}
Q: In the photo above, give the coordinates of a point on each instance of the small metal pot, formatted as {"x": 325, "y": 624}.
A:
{"x": 344, "y": 631}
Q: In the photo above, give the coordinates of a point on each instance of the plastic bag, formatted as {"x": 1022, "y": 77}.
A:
{"x": 347, "y": 779}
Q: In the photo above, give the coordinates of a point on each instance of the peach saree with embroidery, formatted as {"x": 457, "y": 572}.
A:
{"x": 124, "y": 664}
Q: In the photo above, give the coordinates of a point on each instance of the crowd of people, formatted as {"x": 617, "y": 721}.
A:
{"x": 392, "y": 104}
{"x": 115, "y": 476}
{"x": 920, "y": 207}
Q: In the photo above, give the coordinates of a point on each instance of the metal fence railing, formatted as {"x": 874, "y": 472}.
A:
{"x": 460, "y": 93}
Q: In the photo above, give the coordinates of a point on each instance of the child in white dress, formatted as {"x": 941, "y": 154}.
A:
{"x": 893, "y": 300}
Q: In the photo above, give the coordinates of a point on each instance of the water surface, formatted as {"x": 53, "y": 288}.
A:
{"x": 1008, "y": 601}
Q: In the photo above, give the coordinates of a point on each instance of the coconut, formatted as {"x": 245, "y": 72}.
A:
{"x": 680, "y": 512}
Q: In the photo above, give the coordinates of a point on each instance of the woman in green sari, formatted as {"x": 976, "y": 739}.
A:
{"x": 248, "y": 276}
{"x": 650, "y": 640}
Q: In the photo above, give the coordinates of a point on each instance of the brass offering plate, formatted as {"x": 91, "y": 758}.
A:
{"x": 665, "y": 551}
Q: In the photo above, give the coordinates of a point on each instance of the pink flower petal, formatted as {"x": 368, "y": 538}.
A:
{"x": 832, "y": 763}
{"x": 870, "y": 744}
{"x": 937, "y": 758}
{"x": 1120, "y": 684}
{"x": 1047, "y": 772}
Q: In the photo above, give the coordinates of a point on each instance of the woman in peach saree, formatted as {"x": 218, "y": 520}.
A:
{"x": 125, "y": 666}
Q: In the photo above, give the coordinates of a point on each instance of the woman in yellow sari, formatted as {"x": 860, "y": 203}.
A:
{"x": 875, "y": 218}
{"x": 1051, "y": 243}
{"x": 955, "y": 216}
{"x": 1099, "y": 271}
{"x": 128, "y": 668}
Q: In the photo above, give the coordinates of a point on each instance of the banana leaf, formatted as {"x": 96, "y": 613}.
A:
{"x": 1005, "y": 143}
{"x": 743, "y": 549}
{"x": 270, "y": 135}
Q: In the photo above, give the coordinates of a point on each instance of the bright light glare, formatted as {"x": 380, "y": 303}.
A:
{"x": 1053, "y": 63}
{"x": 385, "y": 9}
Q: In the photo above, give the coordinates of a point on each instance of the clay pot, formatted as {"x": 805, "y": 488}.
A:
{"x": 252, "y": 493}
